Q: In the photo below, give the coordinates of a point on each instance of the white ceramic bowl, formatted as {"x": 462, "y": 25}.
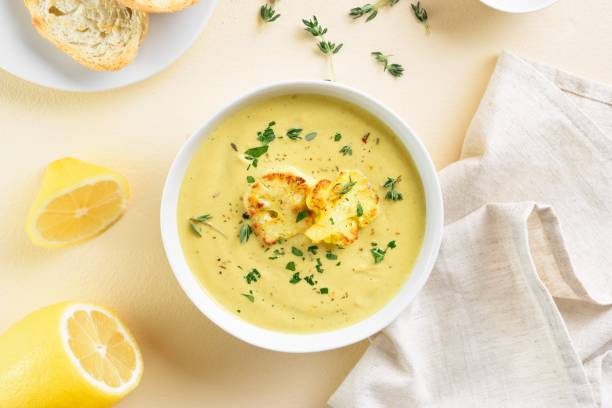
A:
{"x": 518, "y": 6}
{"x": 288, "y": 342}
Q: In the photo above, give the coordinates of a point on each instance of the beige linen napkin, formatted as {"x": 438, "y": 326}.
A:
{"x": 517, "y": 310}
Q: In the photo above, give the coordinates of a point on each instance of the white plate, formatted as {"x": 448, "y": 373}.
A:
{"x": 27, "y": 55}
{"x": 518, "y": 6}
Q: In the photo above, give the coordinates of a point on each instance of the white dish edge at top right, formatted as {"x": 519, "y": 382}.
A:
{"x": 518, "y": 6}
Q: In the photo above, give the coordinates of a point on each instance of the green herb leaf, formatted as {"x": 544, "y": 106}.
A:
{"x": 395, "y": 70}
{"x": 371, "y": 10}
{"x": 268, "y": 14}
{"x": 250, "y": 179}
{"x": 319, "y": 266}
{"x": 391, "y": 245}
{"x": 420, "y": 14}
{"x": 267, "y": 135}
{"x": 256, "y": 152}
{"x": 313, "y": 249}
{"x": 390, "y": 185}
{"x": 331, "y": 256}
{"x": 309, "y": 279}
{"x": 346, "y": 150}
{"x": 310, "y": 137}
{"x": 324, "y": 291}
{"x": 245, "y": 232}
{"x": 296, "y": 251}
{"x": 197, "y": 230}
{"x": 378, "y": 254}
{"x": 294, "y": 134}
{"x": 301, "y": 215}
{"x": 326, "y": 47}
{"x": 295, "y": 278}
{"x": 202, "y": 218}
{"x": 337, "y": 137}
{"x": 291, "y": 266}
{"x": 249, "y": 296}
{"x": 252, "y": 276}
{"x": 347, "y": 187}
{"x": 359, "y": 209}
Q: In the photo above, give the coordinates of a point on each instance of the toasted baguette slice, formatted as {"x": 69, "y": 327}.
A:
{"x": 103, "y": 35}
{"x": 158, "y": 6}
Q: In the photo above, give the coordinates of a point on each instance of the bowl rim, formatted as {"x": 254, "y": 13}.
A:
{"x": 508, "y": 7}
{"x": 305, "y": 342}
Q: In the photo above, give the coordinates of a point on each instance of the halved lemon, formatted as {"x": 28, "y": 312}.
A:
{"x": 68, "y": 355}
{"x": 76, "y": 202}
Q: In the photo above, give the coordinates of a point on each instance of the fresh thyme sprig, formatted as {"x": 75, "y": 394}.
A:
{"x": 394, "y": 69}
{"x": 194, "y": 223}
{"x": 379, "y": 253}
{"x": 245, "y": 232}
{"x": 371, "y": 10}
{"x": 326, "y": 47}
{"x": 420, "y": 14}
{"x": 267, "y": 13}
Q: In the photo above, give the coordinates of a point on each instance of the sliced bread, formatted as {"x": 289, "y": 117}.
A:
{"x": 103, "y": 35}
{"x": 158, "y": 6}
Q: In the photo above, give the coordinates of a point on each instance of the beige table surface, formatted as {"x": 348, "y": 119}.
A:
{"x": 189, "y": 362}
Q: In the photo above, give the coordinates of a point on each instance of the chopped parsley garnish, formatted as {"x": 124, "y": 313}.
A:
{"x": 296, "y": 251}
{"x": 252, "y": 276}
{"x": 301, "y": 215}
{"x": 379, "y": 253}
{"x": 310, "y": 137}
{"x": 324, "y": 291}
{"x": 346, "y": 150}
{"x": 295, "y": 278}
{"x": 294, "y": 134}
{"x": 277, "y": 253}
{"x": 390, "y": 185}
{"x": 245, "y": 232}
{"x": 291, "y": 266}
{"x": 249, "y": 296}
{"x": 313, "y": 249}
{"x": 268, "y": 14}
{"x": 337, "y": 137}
{"x": 267, "y": 135}
{"x": 309, "y": 279}
{"x": 359, "y": 209}
{"x": 319, "y": 266}
{"x": 331, "y": 256}
{"x": 253, "y": 154}
{"x": 250, "y": 179}
{"x": 347, "y": 187}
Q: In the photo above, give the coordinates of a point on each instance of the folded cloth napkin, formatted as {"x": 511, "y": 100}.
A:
{"x": 517, "y": 310}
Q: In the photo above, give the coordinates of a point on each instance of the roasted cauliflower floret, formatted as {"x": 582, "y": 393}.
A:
{"x": 273, "y": 204}
{"x": 341, "y": 207}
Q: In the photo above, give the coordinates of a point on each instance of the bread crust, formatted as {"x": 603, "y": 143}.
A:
{"x": 148, "y": 6}
{"x": 124, "y": 58}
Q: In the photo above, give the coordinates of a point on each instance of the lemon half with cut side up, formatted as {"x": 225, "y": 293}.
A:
{"x": 76, "y": 202}
{"x": 68, "y": 355}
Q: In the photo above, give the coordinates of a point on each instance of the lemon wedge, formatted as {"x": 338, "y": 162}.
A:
{"x": 68, "y": 355}
{"x": 76, "y": 202}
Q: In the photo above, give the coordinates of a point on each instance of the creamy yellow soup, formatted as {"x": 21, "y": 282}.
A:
{"x": 334, "y": 290}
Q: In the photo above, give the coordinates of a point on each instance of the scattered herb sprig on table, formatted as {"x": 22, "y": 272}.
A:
{"x": 326, "y": 47}
{"x": 371, "y": 10}
{"x": 379, "y": 253}
{"x": 267, "y": 13}
{"x": 390, "y": 185}
{"x": 394, "y": 69}
{"x": 420, "y": 14}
